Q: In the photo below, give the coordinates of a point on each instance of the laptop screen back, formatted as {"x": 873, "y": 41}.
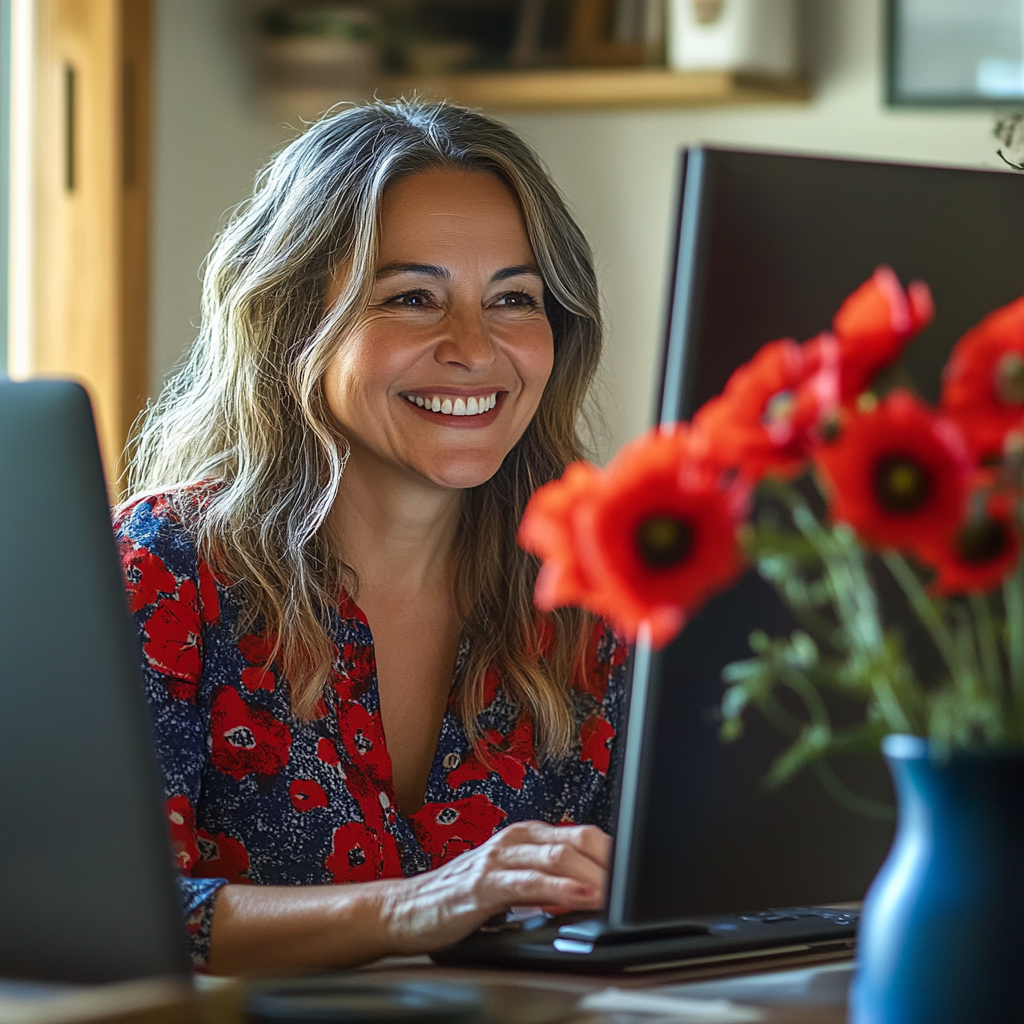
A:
{"x": 86, "y": 884}
{"x": 768, "y": 247}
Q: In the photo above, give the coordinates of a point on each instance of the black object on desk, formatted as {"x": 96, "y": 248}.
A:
{"x": 86, "y": 878}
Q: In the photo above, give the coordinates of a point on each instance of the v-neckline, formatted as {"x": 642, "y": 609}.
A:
{"x": 349, "y": 610}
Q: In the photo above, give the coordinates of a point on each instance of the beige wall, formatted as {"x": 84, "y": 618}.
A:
{"x": 618, "y": 170}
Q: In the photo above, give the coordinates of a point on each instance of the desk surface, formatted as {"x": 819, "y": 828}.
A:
{"x": 790, "y": 994}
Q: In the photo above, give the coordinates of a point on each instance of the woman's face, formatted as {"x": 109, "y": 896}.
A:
{"x": 448, "y": 365}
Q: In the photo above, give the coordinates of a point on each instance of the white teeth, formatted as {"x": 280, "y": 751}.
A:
{"x": 474, "y": 406}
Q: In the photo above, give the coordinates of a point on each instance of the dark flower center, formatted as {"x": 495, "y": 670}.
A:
{"x": 1010, "y": 379}
{"x": 663, "y": 541}
{"x": 901, "y": 484}
{"x": 982, "y": 540}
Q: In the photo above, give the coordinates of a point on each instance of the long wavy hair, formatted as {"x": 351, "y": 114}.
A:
{"x": 247, "y": 411}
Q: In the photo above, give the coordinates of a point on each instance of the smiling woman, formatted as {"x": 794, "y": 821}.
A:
{"x": 349, "y": 681}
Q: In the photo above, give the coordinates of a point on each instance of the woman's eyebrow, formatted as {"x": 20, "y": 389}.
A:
{"x": 443, "y": 274}
{"x": 413, "y": 268}
{"x": 507, "y": 272}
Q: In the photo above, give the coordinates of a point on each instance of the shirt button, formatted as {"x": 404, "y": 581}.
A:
{"x": 451, "y": 761}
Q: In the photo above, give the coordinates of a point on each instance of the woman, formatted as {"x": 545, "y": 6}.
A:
{"x": 350, "y": 684}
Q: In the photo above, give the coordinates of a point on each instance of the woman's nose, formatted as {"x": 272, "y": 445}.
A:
{"x": 466, "y": 341}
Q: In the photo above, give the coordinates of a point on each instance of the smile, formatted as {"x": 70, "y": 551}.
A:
{"x": 475, "y": 405}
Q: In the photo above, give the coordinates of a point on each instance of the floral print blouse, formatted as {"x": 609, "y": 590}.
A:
{"x": 254, "y": 795}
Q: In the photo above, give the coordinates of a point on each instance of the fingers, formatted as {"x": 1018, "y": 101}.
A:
{"x": 588, "y": 840}
{"x": 537, "y": 888}
{"x": 560, "y": 859}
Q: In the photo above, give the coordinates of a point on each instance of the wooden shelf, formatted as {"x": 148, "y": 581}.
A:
{"x": 567, "y": 89}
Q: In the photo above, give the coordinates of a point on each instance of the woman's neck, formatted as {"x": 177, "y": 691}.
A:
{"x": 395, "y": 531}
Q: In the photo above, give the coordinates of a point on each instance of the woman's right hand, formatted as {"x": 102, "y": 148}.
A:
{"x": 526, "y": 864}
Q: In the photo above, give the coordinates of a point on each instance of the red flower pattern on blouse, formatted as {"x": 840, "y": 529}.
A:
{"x": 596, "y": 735}
{"x": 447, "y": 829}
{"x": 307, "y": 794}
{"x": 509, "y": 756}
{"x": 220, "y": 856}
{"x": 181, "y": 819}
{"x": 172, "y": 642}
{"x": 246, "y": 739}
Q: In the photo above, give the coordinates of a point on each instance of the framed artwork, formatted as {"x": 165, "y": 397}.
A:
{"x": 955, "y": 52}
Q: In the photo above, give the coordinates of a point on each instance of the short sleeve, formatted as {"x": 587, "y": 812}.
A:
{"x": 172, "y": 596}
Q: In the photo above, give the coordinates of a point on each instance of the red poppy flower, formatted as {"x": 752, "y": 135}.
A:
{"x": 874, "y": 324}
{"x": 596, "y": 735}
{"x": 645, "y": 542}
{"x": 547, "y": 531}
{"x": 768, "y": 415}
{"x": 173, "y": 641}
{"x": 983, "y": 552}
{"x": 507, "y": 756}
{"x": 983, "y": 383}
{"x": 446, "y": 830}
{"x": 246, "y": 739}
{"x": 660, "y": 534}
{"x": 306, "y": 794}
{"x": 899, "y": 474}
{"x": 220, "y": 856}
{"x": 363, "y": 737}
{"x": 182, "y": 823}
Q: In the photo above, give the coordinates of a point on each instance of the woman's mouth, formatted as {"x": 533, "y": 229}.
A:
{"x": 447, "y": 405}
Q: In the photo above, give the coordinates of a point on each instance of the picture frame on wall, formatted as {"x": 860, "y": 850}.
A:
{"x": 955, "y": 53}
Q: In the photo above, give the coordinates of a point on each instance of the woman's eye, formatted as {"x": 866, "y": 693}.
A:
{"x": 517, "y": 299}
{"x": 410, "y": 300}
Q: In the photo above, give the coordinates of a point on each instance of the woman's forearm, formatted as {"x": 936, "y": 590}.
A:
{"x": 280, "y": 929}
{"x": 260, "y": 930}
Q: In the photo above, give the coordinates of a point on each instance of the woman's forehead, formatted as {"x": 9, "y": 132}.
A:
{"x": 451, "y": 213}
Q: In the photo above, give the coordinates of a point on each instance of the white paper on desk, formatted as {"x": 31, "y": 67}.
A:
{"x": 682, "y": 1009}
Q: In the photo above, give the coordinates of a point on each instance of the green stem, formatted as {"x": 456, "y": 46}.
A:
{"x": 988, "y": 645}
{"x": 1013, "y": 599}
{"x": 927, "y": 613}
{"x": 853, "y": 599}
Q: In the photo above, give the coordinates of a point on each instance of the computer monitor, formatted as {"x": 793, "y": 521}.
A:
{"x": 768, "y": 245}
{"x": 87, "y": 891}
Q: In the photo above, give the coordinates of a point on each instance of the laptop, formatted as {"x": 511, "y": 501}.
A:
{"x": 709, "y": 867}
{"x": 87, "y": 891}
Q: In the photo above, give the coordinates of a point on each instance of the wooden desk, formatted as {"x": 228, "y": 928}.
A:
{"x": 793, "y": 993}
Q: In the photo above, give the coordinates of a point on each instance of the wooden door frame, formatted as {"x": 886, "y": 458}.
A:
{"x": 90, "y": 265}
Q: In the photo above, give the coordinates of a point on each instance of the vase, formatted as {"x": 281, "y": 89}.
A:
{"x": 941, "y": 936}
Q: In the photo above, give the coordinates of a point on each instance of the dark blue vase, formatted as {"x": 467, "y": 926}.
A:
{"x": 942, "y": 932}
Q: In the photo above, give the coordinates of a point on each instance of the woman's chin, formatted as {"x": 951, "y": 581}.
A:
{"x": 464, "y": 475}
